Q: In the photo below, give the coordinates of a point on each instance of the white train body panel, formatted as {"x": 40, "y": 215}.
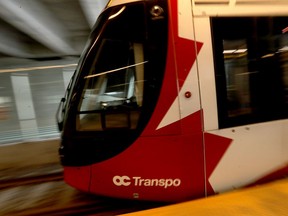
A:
{"x": 256, "y": 151}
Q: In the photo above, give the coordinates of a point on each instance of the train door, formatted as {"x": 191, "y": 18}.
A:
{"x": 242, "y": 71}
{"x": 181, "y": 115}
{"x": 187, "y": 50}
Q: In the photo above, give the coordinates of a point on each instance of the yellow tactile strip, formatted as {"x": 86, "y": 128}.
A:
{"x": 268, "y": 199}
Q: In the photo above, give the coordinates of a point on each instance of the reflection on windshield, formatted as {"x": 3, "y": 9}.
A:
{"x": 115, "y": 70}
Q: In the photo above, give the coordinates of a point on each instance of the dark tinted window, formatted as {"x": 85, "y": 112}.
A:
{"x": 251, "y": 69}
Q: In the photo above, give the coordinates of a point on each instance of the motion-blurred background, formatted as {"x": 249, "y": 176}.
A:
{"x": 40, "y": 43}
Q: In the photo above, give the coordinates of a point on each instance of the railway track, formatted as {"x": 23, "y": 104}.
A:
{"x": 16, "y": 182}
{"x": 49, "y": 195}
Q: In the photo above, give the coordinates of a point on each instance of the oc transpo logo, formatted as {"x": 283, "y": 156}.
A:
{"x": 121, "y": 180}
{"x": 139, "y": 181}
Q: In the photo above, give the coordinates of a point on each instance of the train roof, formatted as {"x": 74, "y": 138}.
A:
{"x": 119, "y": 2}
{"x": 229, "y": 7}
{"x": 240, "y": 7}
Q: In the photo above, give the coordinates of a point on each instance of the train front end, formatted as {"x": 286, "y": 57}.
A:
{"x": 114, "y": 141}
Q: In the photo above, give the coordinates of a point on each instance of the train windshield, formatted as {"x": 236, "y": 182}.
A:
{"x": 124, "y": 56}
{"x": 113, "y": 91}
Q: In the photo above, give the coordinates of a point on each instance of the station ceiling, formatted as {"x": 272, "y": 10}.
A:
{"x": 46, "y": 28}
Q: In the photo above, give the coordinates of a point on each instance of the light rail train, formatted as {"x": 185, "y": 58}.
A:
{"x": 176, "y": 100}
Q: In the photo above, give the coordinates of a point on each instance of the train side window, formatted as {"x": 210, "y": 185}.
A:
{"x": 251, "y": 69}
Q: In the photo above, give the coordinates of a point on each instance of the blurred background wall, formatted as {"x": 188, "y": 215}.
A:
{"x": 40, "y": 44}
